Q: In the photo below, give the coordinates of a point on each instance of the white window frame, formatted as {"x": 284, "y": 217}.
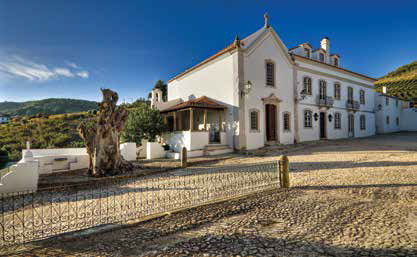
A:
{"x": 322, "y": 84}
{"x": 267, "y": 62}
{"x": 307, "y": 86}
{"x": 308, "y": 119}
{"x": 257, "y": 120}
{"x": 289, "y": 122}
{"x": 337, "y": 86}
{"x": 362, "y": 97}
{"x": 337, "y": 120}
{"x": 362, "y": 122}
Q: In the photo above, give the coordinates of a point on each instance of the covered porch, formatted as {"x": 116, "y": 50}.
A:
{"x": 195, "y": 124}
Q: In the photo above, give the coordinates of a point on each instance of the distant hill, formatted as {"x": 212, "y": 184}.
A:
{"x": 47, "y": 106}
{"x": 401, "y": 82}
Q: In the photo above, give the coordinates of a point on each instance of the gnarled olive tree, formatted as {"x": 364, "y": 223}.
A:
{"x": 102, "y": 137}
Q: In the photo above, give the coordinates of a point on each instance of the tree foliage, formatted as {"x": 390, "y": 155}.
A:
{"x": 143, "y": 122}
{"x": 47, "y": 106}
{"x": 159, "y": 84}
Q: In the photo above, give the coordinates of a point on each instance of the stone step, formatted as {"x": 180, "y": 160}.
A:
{"x": 213, "y": 147}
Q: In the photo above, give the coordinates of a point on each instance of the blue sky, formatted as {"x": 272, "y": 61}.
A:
{"x": 51, "y": 48}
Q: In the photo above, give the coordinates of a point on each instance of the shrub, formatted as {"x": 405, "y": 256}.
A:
{"x": 143, "y": 122}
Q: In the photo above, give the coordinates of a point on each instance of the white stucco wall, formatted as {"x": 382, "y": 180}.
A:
{"x": 21, "y": 177}
{"x": 74, "y": 158}
{"x": 216, "y": 80}
{"x": 392, "y": 110}
{"x": 154, "y": 150}
{"x": 344, "y": 80}
{"x": 408, "y": 119}
{"x": 195, "y": 140}
{"x": 254, "y": 70}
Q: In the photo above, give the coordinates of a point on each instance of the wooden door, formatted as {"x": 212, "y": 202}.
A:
{"x": 351, "y": 125}
{"x": 271, "y": 122}
{"x": 322, "y": 125}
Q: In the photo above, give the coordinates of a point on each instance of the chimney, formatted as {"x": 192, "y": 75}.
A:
{"x": 325, "y": 44}
{"x": 384, "y": 90}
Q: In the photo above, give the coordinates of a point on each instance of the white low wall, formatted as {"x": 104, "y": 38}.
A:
{"x": 128, "y": 151}
{"x": 66, "y": 159}
{"x": 154, "y": 150}
{"x": 141, "y": 150}
{"x": 408, "y": 119}
{"x": 21, "y": 177}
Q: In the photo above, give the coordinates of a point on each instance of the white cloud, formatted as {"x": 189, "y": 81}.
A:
{"x": 63, "y": 72}
{"x": 83, "y": 74}
{"x": 19, "y": 67}
{"x": 72, "y": 65}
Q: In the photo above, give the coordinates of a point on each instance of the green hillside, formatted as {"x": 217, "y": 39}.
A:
{"x": 47, "y": 106}
{"x": 401, "y": 82}
{"x": 56, "y": 131}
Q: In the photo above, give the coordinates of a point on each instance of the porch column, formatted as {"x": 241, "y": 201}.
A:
{"x": 205, "y": 119}
{"x": 191, "y": 119}
{"x": 220, "y": 120}
{"x": 175, "y": 120}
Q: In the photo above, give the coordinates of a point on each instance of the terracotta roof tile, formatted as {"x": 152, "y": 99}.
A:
{"x": 201, "y": 102}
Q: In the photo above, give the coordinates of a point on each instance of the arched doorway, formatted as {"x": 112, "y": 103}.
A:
{"x": 271, "y": 122}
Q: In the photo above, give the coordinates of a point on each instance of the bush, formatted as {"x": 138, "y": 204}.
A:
{"x": 143, "y": 122}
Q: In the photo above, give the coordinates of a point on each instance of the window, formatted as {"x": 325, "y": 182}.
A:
{"x": 362, "y": 96}
{"x": 307, "y": 52}
{"x": 286, "y": 122}
{"x": 323, "y": 90}
{"x": 397, "y": 121}
{"x": 396, "y": 102}
{"x": 362, "y": 122}
{"x": 308, "y": 122}
{"x": 337, "y": 91}
{"x": 336, "y": 62}
{"x": 321, "y": 56}
{"x": 254, "y": 120}
{"x": 269, "y": 76}
{"x": 386, "y": 101}
{"x": 337, "y": 121}
{"x": 307, "y": 85}
{"x": 387, "y": 120}
{"x": 350, "y": 95}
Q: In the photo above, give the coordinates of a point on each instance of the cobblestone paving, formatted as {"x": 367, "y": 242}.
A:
{"x": 348, "y": 198}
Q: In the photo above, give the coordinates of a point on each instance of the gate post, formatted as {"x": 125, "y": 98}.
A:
{"x": 284, "y": 175}
{"x": 184, "y": 157}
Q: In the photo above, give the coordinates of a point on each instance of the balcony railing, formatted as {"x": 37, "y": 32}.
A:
{"x": 352, "y": 105}
{"x": 325, "y": 101}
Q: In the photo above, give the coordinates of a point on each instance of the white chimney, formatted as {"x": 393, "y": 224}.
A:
{"x": 325, "y": 44}
{"x": 384, "y": 89}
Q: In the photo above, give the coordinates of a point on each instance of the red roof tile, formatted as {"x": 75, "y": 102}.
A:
{"x": 201, "y": 102}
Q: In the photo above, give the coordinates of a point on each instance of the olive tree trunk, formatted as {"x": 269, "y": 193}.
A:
{"x": 102, "y": 137}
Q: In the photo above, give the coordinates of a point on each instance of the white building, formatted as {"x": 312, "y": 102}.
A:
{"x": 4, "y": 118}
{"x": 256, "y": 92}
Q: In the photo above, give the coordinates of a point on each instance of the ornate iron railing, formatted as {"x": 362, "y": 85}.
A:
{"x": 325, "y": 101}
{"x": 53, "y": 211}
{"x": 353, "y": 105}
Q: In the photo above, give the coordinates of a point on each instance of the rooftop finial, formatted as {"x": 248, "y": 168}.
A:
{"x": 266, "y": 19}
{"x": 237, "y": 41}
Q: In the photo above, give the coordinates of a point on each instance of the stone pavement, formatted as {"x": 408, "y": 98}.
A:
{"x": 348, "y": 198}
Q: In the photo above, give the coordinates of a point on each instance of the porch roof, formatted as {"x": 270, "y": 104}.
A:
{"x": 201, "y": 102}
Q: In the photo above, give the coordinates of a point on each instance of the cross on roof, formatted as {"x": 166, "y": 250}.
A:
{"x": 266, "y": 19}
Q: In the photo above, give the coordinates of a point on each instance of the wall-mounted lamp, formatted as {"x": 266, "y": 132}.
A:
{"x": 316, "y": 116}
{"x": 302, "y": 94}
{"x": 330, "y": 118}
{"x": 247, "y": 87}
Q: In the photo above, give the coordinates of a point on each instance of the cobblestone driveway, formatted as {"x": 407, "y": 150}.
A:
{"x": 348, "y": 198}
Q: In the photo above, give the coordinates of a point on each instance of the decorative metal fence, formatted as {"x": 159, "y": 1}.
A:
{"x": 28, "y": 216}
